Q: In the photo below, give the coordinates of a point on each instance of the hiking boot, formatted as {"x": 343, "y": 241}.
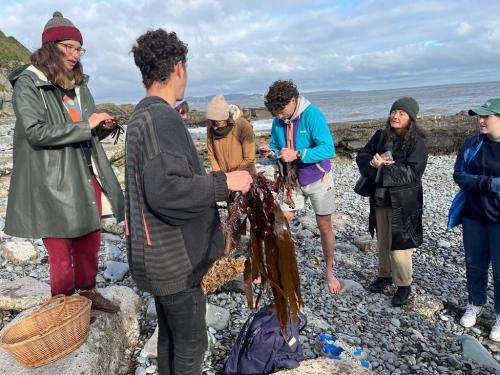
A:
{"x": 495, "y": 331}
{"x": 401, "y": 296}
{"x": 99, "y": 302}
{"x": 471, "y": 313}
{"x": 379, "y": 284}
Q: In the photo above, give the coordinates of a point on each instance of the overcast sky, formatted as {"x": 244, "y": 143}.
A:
{"x": 243, "y": 46}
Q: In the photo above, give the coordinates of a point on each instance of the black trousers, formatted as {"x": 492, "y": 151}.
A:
{"x": 182, "y": 336}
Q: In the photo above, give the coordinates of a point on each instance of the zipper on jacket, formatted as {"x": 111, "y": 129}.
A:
{"x": 144, "y": 223}
{"x": 146, "y": 230}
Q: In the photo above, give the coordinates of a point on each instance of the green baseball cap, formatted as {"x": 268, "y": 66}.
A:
{"x": 491, "y": 107}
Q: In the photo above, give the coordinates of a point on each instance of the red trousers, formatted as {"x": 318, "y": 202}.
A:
{"x": 73, "y": 262}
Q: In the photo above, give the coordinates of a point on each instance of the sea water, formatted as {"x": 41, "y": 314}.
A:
{"x": 342, "y": 106}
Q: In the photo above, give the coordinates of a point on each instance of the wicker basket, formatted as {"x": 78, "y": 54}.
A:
{"x": 56, "y": 328}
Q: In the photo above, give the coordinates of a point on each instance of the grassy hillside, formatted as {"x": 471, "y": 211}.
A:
{"x": 11, "y": 49}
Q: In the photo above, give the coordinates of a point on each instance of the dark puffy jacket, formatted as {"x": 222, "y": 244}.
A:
{"x": 403, "y": 179}
{"x": 51, "y": 192}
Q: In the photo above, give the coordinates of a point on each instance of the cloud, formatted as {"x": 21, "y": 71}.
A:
{"x": 243, "y": 46}
{"x": 464, "y": 29}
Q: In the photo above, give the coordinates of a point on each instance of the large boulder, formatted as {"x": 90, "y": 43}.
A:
{"x": 18, "y": 252}
{"x": 474, "y": 351}
{"x": 22, "y": 293}
{"x": 111, "y": 336}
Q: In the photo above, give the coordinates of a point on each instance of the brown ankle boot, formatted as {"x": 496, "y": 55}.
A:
{"x": 99, "y": 302}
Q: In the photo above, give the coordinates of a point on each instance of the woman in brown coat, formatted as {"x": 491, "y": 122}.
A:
{"x": 230, "y": 138}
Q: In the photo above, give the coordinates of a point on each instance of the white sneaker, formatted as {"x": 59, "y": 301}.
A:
{"x": 471, "y": 313}
{"x": 495, "y": 331}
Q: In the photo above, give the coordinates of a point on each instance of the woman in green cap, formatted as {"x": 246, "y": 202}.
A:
{"x": 394, "y": 160}
{"x": 61, "y": 178}
{"x": 477, "y": 173}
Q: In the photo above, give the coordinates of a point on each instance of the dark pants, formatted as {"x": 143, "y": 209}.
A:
{"x": 73, "y": 262}
{"x": 482, "y": 247}
{"x": 182, "y": 339}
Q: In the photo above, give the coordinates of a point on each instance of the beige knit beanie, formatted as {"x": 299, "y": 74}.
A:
{"x": 218, "y": 109}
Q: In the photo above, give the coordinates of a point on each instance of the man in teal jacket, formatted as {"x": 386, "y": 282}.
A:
{"x": 300, "y": 135}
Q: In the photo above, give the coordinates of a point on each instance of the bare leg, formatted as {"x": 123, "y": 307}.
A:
{"x": 328, "y": 244}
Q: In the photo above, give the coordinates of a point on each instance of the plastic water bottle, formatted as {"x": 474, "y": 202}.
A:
{"x": 325, "y": 338}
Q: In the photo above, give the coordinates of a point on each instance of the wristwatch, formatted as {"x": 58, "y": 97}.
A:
{"x": 299, "y": 155}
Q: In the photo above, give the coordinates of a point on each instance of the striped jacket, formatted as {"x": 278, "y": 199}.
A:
{"x": 172, "y": 223}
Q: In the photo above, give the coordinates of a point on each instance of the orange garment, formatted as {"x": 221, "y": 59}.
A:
{"x": 236, "y": 151}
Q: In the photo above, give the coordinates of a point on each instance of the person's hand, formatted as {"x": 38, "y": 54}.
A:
{"x": 287, "y": 155}
{"x": 378, "y": 161}
{"x": 239, "y": 181}
{"x": 265, "y": 151}
{"x": 108, "y": 122}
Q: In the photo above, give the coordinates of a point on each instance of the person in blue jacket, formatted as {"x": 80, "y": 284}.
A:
{"x": 477, "y": 173}
{"x": 300, "y": 135}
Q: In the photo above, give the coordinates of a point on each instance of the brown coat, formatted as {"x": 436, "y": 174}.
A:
{"x": 236, "y": 151}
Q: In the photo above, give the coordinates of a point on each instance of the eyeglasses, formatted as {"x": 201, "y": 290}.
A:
{"x": 70, "y": 49}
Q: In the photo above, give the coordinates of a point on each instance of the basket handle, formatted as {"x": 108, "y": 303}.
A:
{"x": 61, "y": 298}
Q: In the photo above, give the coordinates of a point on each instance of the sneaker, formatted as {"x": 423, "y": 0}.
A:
{"x": 471, "y": 313}
{"x": 401, "y": 296}
{"x": 99, "y": 302}
{"x": 379, "y": 284}
{"x": 495, "y": 331}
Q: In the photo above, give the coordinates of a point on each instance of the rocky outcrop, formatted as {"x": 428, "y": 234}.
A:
{"x": 12, "y": 54}
{"x": 5, "y": 93}
{"x": 444, "y": 134}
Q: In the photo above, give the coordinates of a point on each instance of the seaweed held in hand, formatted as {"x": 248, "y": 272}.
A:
{"x": 270, "y": 252}
{"x": 286, "y": 181}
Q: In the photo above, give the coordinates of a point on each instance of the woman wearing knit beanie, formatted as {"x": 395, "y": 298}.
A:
{"x": 230, "y": 137}
{"x": 394, "y": 160}
{"x": 61, "y": 179}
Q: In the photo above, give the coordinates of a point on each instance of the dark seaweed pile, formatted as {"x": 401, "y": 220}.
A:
{"x": 271, "y": 251}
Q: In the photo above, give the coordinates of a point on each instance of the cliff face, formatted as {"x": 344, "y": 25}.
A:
{"x": 12, "y": 54}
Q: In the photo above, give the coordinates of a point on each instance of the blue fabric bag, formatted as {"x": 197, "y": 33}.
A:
{"x": 261, "y": 347}
{"x": 458, "y": 204}
{"x": 456, "y": 209}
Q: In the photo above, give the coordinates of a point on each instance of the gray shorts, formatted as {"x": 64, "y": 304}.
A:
{"x": 320, "y": 193}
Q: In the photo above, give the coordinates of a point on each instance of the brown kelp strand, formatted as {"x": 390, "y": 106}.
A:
{"x": 286, "y": 180}
{"x": 270, "y": 251}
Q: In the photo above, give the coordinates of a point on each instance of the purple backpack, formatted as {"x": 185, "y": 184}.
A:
{"x": 261, "y": 348}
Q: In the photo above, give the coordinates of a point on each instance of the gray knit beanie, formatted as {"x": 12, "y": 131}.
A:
{"x": 407, "y": 104}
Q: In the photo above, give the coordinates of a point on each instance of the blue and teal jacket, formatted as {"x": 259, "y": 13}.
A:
{"x": 477, "y": 173}
{"x": 312, "y": 138}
